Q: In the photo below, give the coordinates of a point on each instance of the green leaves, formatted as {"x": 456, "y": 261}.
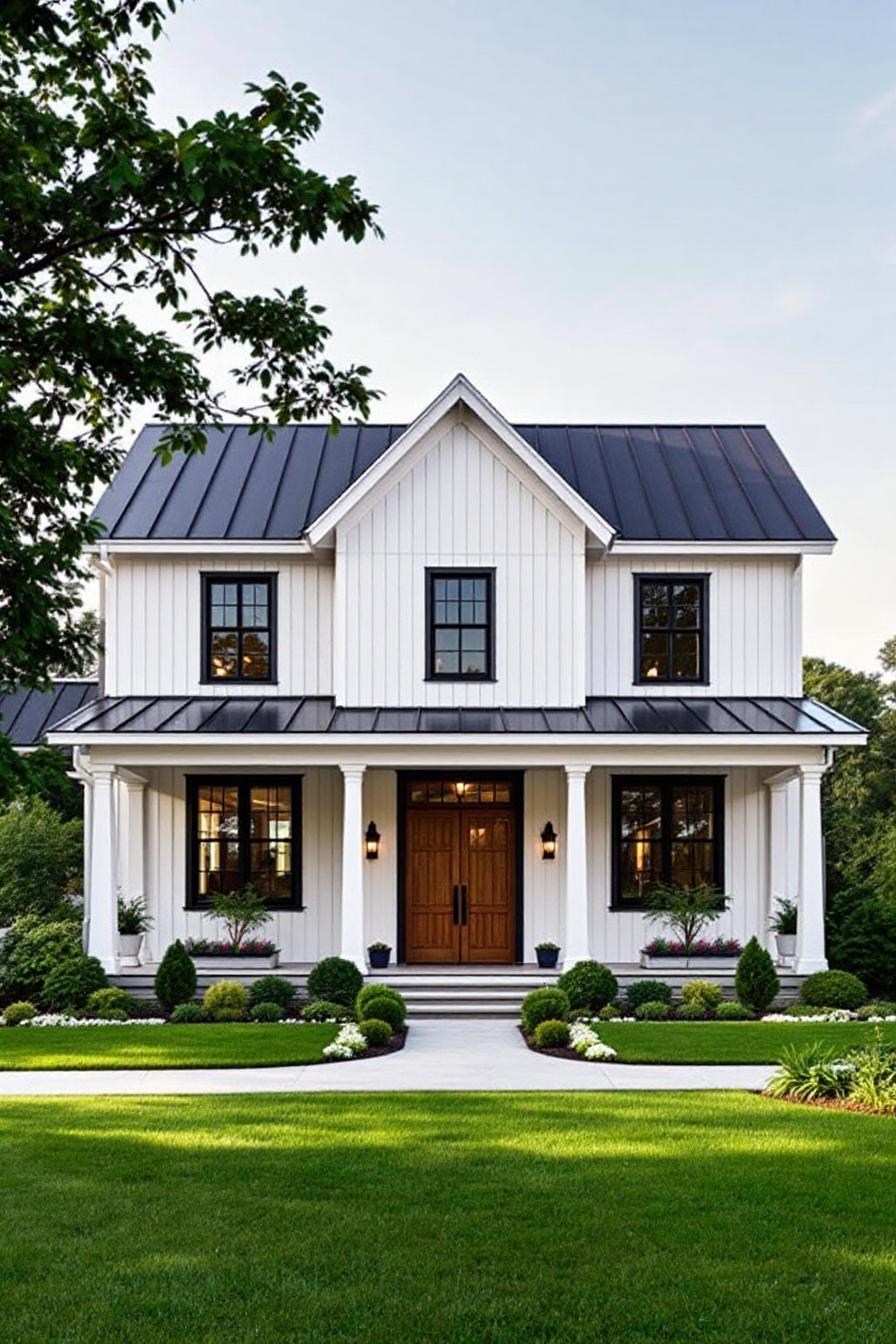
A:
{"x": 101, "y": 203}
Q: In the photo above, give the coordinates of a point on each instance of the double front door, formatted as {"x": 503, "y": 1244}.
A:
{"x": 460, "y": 883}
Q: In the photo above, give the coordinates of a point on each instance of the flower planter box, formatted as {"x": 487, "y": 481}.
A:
{"x": 234, "y": 963}
{"x": 661, "y": 963}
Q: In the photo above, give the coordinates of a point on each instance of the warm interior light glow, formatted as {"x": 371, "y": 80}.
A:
{"x": 548, "y": 841}
{"x": 461, "y": 789}
{"x": 372, "y": 841}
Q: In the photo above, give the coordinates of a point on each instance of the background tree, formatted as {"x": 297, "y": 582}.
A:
{"x": 99, "y": 204}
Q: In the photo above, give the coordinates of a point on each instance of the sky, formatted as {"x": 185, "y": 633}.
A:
{"x": 609, "y": 210}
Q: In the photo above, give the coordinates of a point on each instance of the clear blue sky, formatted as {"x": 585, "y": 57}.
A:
{"x": 612, "y": 210}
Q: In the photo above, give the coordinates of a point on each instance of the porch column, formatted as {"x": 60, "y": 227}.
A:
{"x": 778, "y": 887}
{"x": 810, "y": 923}
{"x": 351, "y": 943}
{"x": 578, "y": 946}
{"x": 102, "y": 897}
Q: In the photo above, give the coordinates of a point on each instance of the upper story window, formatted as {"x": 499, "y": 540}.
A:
{"x": 238, "y": 625}
{"x": 460, "y": 624}
{"x": 671, "y": 628}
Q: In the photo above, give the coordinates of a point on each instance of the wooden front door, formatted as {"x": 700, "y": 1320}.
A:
{"x": 460, "y": 884}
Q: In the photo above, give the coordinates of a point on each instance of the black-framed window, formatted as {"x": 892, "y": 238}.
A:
{"x": 666, "y": 829}
{"x": 671, "y": 640}
{"x": 460, "y": 610}
{"x": 238, "y": 622}
{"x": 245, "y": 829}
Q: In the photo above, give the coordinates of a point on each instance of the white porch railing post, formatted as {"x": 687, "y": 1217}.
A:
{"x": 351, "y": 943}
{"x": 810, "y": 954}
{"x": 102, "y": 897}
{"x": 578, "y": 942}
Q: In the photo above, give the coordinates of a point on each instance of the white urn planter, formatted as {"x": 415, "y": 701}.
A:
{"x": 786, "y": 944}
{"x": 129, "y": 948}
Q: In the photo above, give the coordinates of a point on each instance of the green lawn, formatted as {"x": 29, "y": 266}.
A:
{"x": 727, "y": 1042}
{"x": 221, "y": 1046}
{"x": 506, "y": 1219}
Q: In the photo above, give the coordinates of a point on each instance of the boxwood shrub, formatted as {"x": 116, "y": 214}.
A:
{"x": 703, "y": 992}
{"x": 111, "y": 999}
{"x": 387, "y": 1008}
{"x": 833, "y": 989}
{"x": 16, "y": 1013}
{"x": 652, "y": 1012}
{"x": 336, "y": 980}
{"x": 368, "y": 992}
{"x": 375, "y": 1031}
{"x": 321, "y": 1010}
{"x": 541, "y": 1004}
{"x": 272, "y": 989}
{"x": 695, "y": 1011}
{"x": 71, "y": 984}
{"x": 227, "y": 1001}
{"x": 185, "y": 1013}
{"x": 266, "y": 1011}
{"x": 647, "y": 991}
{"x": 729, "y": 1011}
{"x": 588, "y": 985}
{"x": 551, "y": 1034}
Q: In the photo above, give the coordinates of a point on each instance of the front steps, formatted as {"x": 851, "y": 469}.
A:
{"x": 457, "y": 991}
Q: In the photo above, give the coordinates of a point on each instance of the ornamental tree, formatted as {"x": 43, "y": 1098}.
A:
{"x": 101, "y": 203}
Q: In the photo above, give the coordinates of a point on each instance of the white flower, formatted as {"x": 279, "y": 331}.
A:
{"x": 64, "y": 1020}
{"x": 586, "y": 1042}
{"x": 832, "y": 1015}
{"x": 347, "y": 1044}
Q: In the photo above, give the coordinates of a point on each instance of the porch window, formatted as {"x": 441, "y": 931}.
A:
{"x": 665, "y": 829}
{"x": 670, "y": 621}
{"x": 238, "y": 627}
{"x": 245, "y": 830}
{"x": 460, "y": 624}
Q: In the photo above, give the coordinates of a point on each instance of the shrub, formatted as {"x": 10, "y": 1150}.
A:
{"x": 551, "y": 1034}
{"x": 704, "y": 992}
{"x": 335, "y": 980}
{"x": 40, "y": 860}
{"x": 808, "y": 1074}
{"x": 188, "y": 1012}
{"x": 873, "y": 1081}
{"x": 102, "y": 1001}
{"x": 369, "y": 992}
{"x": 695, "y": 1011}
{"x": 322, "y": 1011}
{"x": 647, "y": 991}
{"x": 866, "y": 945}
{"x": 111, "y": 1015}
{"x": 609, "y": 1012}
{"x": 266, "y": 1011}
{"x": 733, "y": 1012}
{"x": 242, "y": 911}
{"x": 387, "y": 1008}
{"x": 71, "y": 984}
{"x": 804, "y": 1010}
{"x": 589, "y": 985}
{"x": 756, "y": 979}
{"x": 18, "y": 1012}
{"x": 541, "y": 1004}
{"x": 877, "y": 1008}
{"x": 652, "y": 1012}
{"x": 375, "y": 1031}
{"x": 272, "y": 989}
{"x": 226, "y": 1001}
{"x": 833, "y": 989}
{"x": 685, "y": 911}
{"x": 133, "y": 916}
{"x": 31, "y": 950}
{"x": 175, "y": 980}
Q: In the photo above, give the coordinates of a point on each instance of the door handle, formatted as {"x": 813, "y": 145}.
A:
{"x": 464, "y": 912}
{"x": 455, "y": 904}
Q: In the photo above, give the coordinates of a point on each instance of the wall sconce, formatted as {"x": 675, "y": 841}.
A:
{"x": 548, "y": 842}
{"x": 372, "y": 841}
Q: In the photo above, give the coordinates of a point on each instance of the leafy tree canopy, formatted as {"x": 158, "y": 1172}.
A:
{"x": 101, "y": 203}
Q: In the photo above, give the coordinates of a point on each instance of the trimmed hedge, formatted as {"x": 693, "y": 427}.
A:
{"x": 647, "y": 991}
{"x": 72, "y": 983}
{"x": 272, "y": 989}
{"x": 375, "y": 1031}
{"x": 336, "y": 980}
{"x": 833, "y": 989}
{"x": 386, "y": 1008}
{"x": 175, "y": 980}
{"x": 588, "y": 985}
{"x": 756, "y": 979}
{"x": 540, "y": 1005}
{"x": 227, "y": 1001}
{"x": 551, "y": 1034}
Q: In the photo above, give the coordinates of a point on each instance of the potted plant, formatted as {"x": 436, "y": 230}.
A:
{"x": 685, "y": 912}
{"x": 547, "y": 954}
{"x": 378, "y": 955}
{"x": 133, "y": 922}
{"x": 783, "y": 924}
{"x": 242, "y": 912}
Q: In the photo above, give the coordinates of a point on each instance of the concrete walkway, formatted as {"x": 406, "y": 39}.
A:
{"x": 473, "y": 1055}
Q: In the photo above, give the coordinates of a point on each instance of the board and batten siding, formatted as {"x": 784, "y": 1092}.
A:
{"x": 153, "y": 625}
{"x": 755, "y": 624}
{"x": 460, "y": 505}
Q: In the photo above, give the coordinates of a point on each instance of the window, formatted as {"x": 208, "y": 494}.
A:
{"x": 245, "y": 830}
{"x": 460, "y": 618}
{"x": 238, "y": 620}
{"x": 665, "y": 830}
{"x": 670, "y": 620}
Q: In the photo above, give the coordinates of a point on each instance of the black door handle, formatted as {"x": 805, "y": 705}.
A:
{"x": 455, "y": 902}
{"x": 463, "y": 903}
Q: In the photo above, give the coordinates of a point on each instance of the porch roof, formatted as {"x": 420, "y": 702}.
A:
{"x": 601, "y": 716}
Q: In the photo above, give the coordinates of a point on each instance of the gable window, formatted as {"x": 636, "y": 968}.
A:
{"x": 244, "y": 830}
{"x": 667, "y": 830}
{"x": 460, "y": 624}
{"x": 238, "y": 625}
{"x": 671, "y": 626}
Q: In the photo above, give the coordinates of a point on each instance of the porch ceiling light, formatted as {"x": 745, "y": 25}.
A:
{"x": 372, "y": 841}
{"x": 548, "y": 842}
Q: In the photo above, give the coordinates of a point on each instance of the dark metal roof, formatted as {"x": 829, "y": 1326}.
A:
{"x": 27, "y": 716}
{"x": 651, "y": 482}
{"x": 319, "y": 714}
